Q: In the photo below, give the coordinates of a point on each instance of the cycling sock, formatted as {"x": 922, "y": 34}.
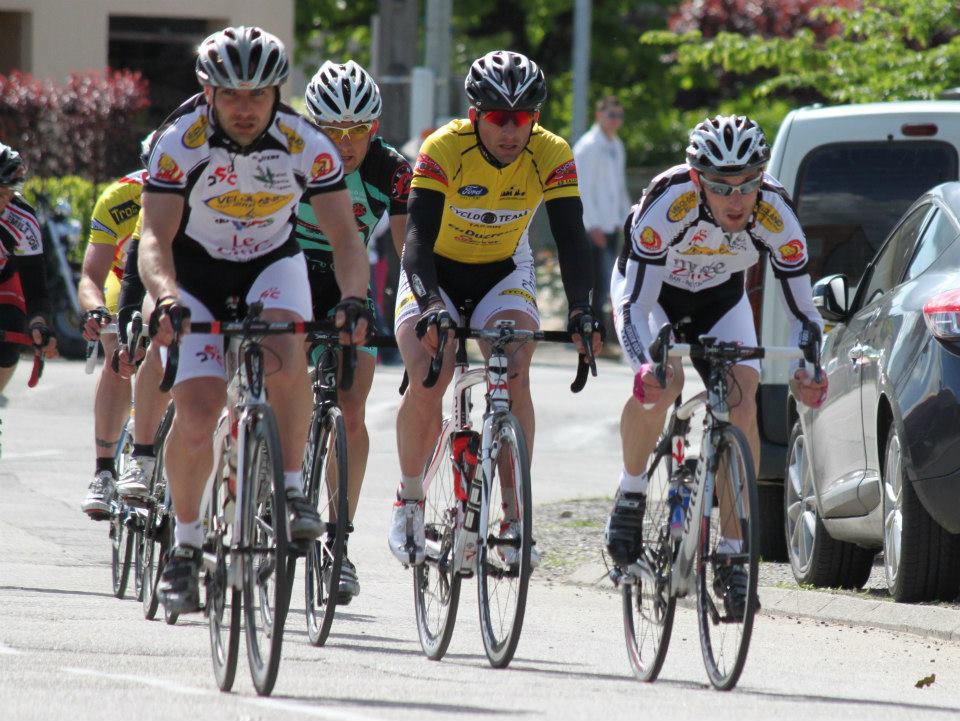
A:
{"x": 106, "y": 464}
{"x": 410, "y": 488}
{"x": 188, "y": 534}
{"x": 292, "y": 479}
{"x": 143, "y": 449}
{"x": 630, "y": 483}
{"x": 729, "y": 545}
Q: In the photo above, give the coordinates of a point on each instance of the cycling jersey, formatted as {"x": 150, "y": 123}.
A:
{"x": 21, "y": 252}
{"x": 487, "y": 210}
{"x": 115, "y": 217}
{"x": 676, "y": 246}
{"x": 240, "y": 203}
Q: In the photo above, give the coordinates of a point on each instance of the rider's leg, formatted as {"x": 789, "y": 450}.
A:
{"x": 353, "y": 403}
{"x": 741, "y": 399}
{"x": 111, "y": 405}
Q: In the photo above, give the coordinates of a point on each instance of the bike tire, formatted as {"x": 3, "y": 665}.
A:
{"x": 436, "y": 586}
{"x": 222, "y": 599}
{"x": 325, "y": 468}
{"x": 154, "y": 526}
{"x": 121, "y": 548}
{"x": 265, "y": 572}
{"x": 502, "y": 582}
{"x": 725, "y": 636}
{"x": 648, "y": 606}
{"x": 166, "y": 546}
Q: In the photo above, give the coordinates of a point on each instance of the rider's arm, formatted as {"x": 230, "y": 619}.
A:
{"x": 33, "y": 281}
{"x": 424, "y": 212}
{"x": 334, "y": 213}
{"x": 398, "y": 227}
{"x": 97, "y": 259}
{"x": 162, "y": 214}
{"x": 573, "y": 251}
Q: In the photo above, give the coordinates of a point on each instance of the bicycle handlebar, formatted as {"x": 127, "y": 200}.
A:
{"x": 9, "y": 336}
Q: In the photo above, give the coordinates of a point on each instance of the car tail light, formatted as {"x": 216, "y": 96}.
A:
{"x": 942, "y": 314}
{"x": 919, "y": 130}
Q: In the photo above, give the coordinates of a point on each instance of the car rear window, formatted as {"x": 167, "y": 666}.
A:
{"x": 850, "y": 195}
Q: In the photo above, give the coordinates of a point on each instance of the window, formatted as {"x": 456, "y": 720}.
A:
{"x": 15, "y": 29}
{"x": 849, "y": 196}
{"x": 889, "y": 265}
{"x": 937, "y": 236}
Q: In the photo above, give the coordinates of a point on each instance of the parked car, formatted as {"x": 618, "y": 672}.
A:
{"x": 852, "y": 171}
{"x": 878, "y": 465}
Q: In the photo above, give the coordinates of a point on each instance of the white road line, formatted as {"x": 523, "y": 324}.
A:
{"x": 260, "y": 702}
{"x": 46, "y": 452}
{"x": 9, "y": 651}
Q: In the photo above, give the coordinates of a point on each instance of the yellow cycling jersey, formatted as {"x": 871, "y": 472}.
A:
{"x": 115, "y": 217}
{"x": 487, "y": 210}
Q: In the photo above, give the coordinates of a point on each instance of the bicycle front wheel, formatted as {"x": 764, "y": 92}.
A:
{"x": 648, "y": 607}
{"x": 727, "y": 563}
{"x": 436, "y": 584}
{"x": 325, "y": 469}
{"x": 154, "y": 526}
{"x": 223, "y": 598}
{"x": 265, "y": 573}
{"x": 504, "y": 556}
{"x": 121, "y": 542}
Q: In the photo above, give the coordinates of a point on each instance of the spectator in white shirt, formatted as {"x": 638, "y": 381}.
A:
{"x": 601, "y": 169}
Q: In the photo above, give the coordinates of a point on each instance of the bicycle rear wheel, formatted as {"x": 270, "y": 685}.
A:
{"x": 265, "y": 572}
{"x": 648, "y": 607}
{"x": 504, "y": 555}
{"x": 436, "y": 586}
{"x": 726, "y": 623}
{"x": 325, "y": 469}
{"x": 223, "y": 599}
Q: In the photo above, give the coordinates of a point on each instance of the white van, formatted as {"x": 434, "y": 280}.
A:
{"x": 851, "y": 171}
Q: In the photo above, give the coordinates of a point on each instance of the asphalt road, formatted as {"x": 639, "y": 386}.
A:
{"x": 68, "y": 649}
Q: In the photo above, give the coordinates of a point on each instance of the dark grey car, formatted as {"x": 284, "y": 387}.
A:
{"x": 878, "y": 466}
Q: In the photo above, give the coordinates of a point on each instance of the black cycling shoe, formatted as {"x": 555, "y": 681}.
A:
{"x": 624, "y": 534}
{"x": 730, "y": 583}
{"x": 179, "y": 587}
{"x": 302, "y": 518}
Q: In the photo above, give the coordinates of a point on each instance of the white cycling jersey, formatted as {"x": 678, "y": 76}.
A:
{"x": 675, "y": 242}
{"x": 241, "y": 204}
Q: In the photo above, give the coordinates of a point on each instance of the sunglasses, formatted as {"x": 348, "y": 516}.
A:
{"x": 354, "y": 132}
{"x": 502, "y": 117}
{"x": 725, "y": 189}
{"x": 615, "y": 114}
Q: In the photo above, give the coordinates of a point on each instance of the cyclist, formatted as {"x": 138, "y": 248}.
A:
{"x": 697, "y": 229}
{"x": 476, "y": 185}
{"x": 111, "y": 226}
{"x": 225, "y": 178}
{"x": 345, "y": 103}
{"x": 23, "y": 281}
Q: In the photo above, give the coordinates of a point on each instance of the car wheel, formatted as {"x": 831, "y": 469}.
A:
{"x": 921, "y": 560}
{"x": 816, "y": 558}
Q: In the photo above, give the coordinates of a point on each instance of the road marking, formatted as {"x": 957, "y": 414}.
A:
{"x": 47, "y": 452}
{"x": 262, "y": 702}
{"x": 4, "y": 649}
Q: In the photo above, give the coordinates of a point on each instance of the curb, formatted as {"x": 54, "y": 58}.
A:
{"x": 916, "y": 619}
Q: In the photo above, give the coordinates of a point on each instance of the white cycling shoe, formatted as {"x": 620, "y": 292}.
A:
{"x": 135, "y": 480}
{"x": 407, "y": 540}
{"x": 511, "y": 555}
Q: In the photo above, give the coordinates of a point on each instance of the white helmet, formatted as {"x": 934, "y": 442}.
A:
{"x": 727, "y": 145}
{"x": 242, "y": 58}
{"x": 343, "y": 92}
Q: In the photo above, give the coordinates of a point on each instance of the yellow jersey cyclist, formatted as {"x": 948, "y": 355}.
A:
{"x": 477, "y": 183}
{"x": 345, "y": 103}
{"x": 111, "y": 227}
{"x": 690, "y": 241}
{"x": 225, "y": 178}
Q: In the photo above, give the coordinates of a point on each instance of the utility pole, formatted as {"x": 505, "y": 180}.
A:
{"x": 581, "y": 67}
{"x": 395, "y": 30}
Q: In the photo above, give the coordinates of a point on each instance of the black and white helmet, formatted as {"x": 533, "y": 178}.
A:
{"x": 727, "y": 145}
{"x": 505, "y": 80}
{"x": 343, "y": 92}
{"x": 11, "y": 168}
{"x": 242, "y": 58}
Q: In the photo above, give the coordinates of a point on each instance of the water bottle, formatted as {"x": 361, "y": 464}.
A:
{"x": 678, "y": 500}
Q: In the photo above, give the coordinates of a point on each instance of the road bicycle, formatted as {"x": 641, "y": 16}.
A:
{"x": 478, "y": 502}
{"x": 700, "y": 525}
{"x": 158, "y": 527}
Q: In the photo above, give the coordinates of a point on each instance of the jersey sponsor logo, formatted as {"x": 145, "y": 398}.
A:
{"x": 209, "y": 353}
{"x": 294, "y": 141}
{"x": 249, "y": 205}
{"x": 682, "y": 206}
{"x": 489, "y": 217}
{"x": 244, "y": 224}
{"x": 417, "y": 286}
{"x": 563, "y": 174}
{"x": 473, "y": 191}
{"x": 270, "y": 294}
{"x": 196, "y": 134}
{"x": 401, "y": 182}
{"x": 168, "y": 170}
{"x": 650, "y": 240}
{"x": 527, "y": 296}
{"x": 792, "y": 253}
{"x": 429, "y": 168}
{"x": 96, "y": 225}
{"x": 124, "y": 212}
{"x": 271, "y": 180}
{"x": 768, "y": 217}
{"x": 694, "y": 273}
{"x": 406, "y": 300}
{"x": 222, "y": 174}
{"x": 323, "y": 166}
{"x": 512, "y": 193}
